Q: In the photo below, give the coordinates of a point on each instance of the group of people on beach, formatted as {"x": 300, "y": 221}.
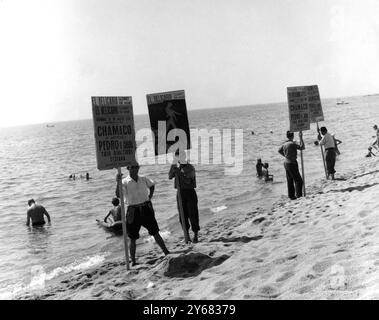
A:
{"x": 289, "y": 151}
{"x": 138, "y": 191}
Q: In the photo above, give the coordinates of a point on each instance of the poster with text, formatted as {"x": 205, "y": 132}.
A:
{"x": 314, "y": 104}
{"x": 298, "y": 108}
{"x": 168, "y": 119}
{"x": 113, "y": 124}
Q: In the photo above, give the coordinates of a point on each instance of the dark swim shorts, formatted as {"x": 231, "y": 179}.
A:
{"x": 40, "y": 223}
{"x": 138, "y": 216}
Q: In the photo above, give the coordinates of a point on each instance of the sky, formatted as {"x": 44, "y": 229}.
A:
{"x": 56, "y": 54}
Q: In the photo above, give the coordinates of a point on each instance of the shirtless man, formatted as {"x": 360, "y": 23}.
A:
{"x": 35, "y": 213}
{"x": 115, "y": 212}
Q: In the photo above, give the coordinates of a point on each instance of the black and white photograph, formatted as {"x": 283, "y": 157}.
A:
{"x": 172, "y": 151}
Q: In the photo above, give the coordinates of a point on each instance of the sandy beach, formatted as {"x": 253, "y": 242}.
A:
{"x": 322, "y": 246}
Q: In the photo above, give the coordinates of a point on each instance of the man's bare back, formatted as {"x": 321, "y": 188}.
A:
{"x": 36, "y": 213}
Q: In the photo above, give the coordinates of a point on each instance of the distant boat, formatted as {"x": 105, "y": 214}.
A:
{"x": 50, "y": 126}
{"x": 342, "y": 102}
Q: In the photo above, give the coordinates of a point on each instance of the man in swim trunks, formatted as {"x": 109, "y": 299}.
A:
{"x": 115, "y": 212}
{"x": 138, "y": 191}
{"x": 36, "y": 213}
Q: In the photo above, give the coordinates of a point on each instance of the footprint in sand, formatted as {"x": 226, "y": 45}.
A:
{"x": 363, "y": 213}
{"x": 268, "y": 292}
{"x": 185, "y": 292}
{"x": 285, "y": 276}
{"x": 220, "y": 287}
{"x": 322, "y": 266}
{"x": 305, "y": 289}
{"x": 247, "y": 275}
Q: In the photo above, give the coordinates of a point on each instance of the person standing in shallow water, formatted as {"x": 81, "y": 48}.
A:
{"x": 187, "y": 177}
{"x": 138, "y": 191}
{"x": 294, "y": 179}
{"x": 330, "y": 151}
{"x": 35, "y": 213}
{"x": 258, "y": 167}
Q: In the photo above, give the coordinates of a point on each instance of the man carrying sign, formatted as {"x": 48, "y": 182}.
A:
{"x": 330, "y": 151}
{"x": 138, "y": 191}
{"x": 289, "y": 151}
{"x": 185, "y": 180}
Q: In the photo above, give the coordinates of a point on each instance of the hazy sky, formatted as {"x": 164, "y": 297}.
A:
{"x": 56, "y": 54}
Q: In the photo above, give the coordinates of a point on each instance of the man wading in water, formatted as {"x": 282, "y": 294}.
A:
{"x": 36, "y": 213}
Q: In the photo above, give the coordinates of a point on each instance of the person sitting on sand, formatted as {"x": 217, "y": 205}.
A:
{"x": 185, "y": 178}
{"x": 330, "y": 154}
{"x": 35, "y": 213}
{"x": 294, "y": 179}
{"x": 259, "y": 166}
{"x": 266, "y": 175}
{"x": 115, "y": 213}
{"x": 370, "y": 153}
{"x": 138, "y": 191}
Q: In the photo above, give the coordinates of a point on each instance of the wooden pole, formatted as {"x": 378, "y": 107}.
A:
{"x": 302, "y": 163}
{"x": 126, "y": 246}
{"x": 322, "y": 152}
{"x": 181, "y": 211}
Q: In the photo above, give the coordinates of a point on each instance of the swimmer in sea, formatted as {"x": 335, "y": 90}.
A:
{"x": 35, "y": 213}
{"x": 259, "y": 167}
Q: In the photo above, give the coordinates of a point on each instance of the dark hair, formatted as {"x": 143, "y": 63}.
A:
{"x": 289, "y": 135}
{"x": 30, "y": 202}
{"x": 323, "y": 129}
{"x": 266, "y": 165}
{"x": 115, "y": 201}
{"x": 134, "y": 165}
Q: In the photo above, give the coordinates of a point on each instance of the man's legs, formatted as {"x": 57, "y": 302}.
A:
{"x": 160, "y": 242}
{"x": 298, "y": 182}
{"x": 330, "y": 158}
{"x": 290, "y": 182}
{"x": 185, "y": 210}
{"x": 132, "y": 250}
{"x": 193, "y": 212}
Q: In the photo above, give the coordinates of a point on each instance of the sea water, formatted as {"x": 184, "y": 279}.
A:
{"x": 36, "y": 162}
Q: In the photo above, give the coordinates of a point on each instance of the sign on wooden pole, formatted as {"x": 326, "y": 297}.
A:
{"x": 168, "y": 113}
{"x": 299, "y": 116}
{"x": 113, "y": 124}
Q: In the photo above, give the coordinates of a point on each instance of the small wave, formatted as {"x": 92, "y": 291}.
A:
{"x": 39, "y": 276}
{"x": 164, "y": 234}
{"x": 218, "y": 209}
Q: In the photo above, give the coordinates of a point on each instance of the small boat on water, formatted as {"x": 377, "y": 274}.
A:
{"x": 341, "y": 102}
{"x": 50, "y": 126}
